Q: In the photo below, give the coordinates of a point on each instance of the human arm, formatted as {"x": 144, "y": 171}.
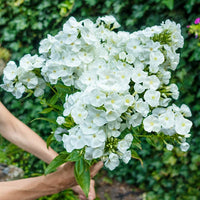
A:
{"x": 21, "y": 135}
{"x": 18, "y": 133}
{"x": 33, "y": 188}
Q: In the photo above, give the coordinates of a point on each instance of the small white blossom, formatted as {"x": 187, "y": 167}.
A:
{"x": 10, "y": 71}
{"x": 184, "y": 146}
{"x": 151, "y": 123}
{"x": 182, "y": 125}
{"x": 152, "y": 97}
{"x": 169, "y": 147}
{"x": 112, "y": 162}
{"x": 151, "y": 82}
{"x": 60, "y": 120}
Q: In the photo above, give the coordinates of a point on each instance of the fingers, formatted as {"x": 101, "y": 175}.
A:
{"x": 95, "y": 168}
{"x": 82, "y": 197}
{"x": 92, "y": 193}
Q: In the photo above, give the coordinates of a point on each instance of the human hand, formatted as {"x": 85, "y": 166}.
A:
{"x": 67, "y": 169}
{"x": 91, "y": 196}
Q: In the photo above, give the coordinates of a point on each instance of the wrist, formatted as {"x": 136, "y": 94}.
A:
{"x": 63, "y": 178}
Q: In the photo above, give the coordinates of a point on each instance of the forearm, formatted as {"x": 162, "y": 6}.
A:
{"x": 18, "y": 133}
{"x": 33, "y": 188}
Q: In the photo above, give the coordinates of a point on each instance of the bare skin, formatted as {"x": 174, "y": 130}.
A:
{"x": 32, "y": 188}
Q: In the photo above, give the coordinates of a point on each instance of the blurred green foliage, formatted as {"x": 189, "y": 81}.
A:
{"x": 24, "y": 23}
{"x": 165, "y": 175}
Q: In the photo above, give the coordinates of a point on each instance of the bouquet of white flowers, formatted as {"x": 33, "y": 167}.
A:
{"x": 110, "y": 88}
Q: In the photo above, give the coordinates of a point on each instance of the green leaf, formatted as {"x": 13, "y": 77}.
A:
{"x": 82, "y": 175}
{"x": 50, "y": 139}
{"x": 151, "y": 141}
{"x": 46, "y": 110}
{"x": 54, "y": 99}
{"x": 45, "y": 119}
{"x": 136, "y": 156}
{"x": 56, "y": 162}
{"x": 136, "y": 142}
{"x": 73, "y": 156}
{"x": 60, "y": 108}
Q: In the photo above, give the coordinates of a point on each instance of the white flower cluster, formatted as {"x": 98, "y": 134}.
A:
{"x": 122, "y": 79}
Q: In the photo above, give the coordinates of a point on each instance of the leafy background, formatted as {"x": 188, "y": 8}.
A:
{"x": 167, "y": 175}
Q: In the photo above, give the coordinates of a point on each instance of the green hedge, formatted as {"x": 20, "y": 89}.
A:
{"x": 165, "y": 175}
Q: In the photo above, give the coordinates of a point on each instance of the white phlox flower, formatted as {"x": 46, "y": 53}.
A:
{"x": 79, "y": 114}
{"x": 97, "y": 64}
{"x": 151, "y": 124}
{"x": 152, "y": 97}
{"x": 18, "y": 90}
{"x": 164, "y": 76}
{"x": 139, "y": 88}
{"x": 135, "y": 119}
{"x": 57, "y": 133}
{"x": 156, "y": 58}
{"x": 71, "y": 25}
{"x": 7, "y": 85}
{"x": 138, "y": 75}
{"x": 184, "y": 146}
{"x": 126, "y": 156}
{"x": 88, "y": 78}
{"x": 108, "y": 20}
{"x": 122, "y": 146}
{"x": 98, "y": 116}
{"x": 142, "y": 107}
{"x": 93, "y": 153}
{"x": 72, "y": 60}
{"x": 112, "y": 115}
{"x": 112, "y": 161}
{"x": 29, "y": 79}
{"x": 88, "y": 126}
{"x": 185, "y": 110}
{"x": 174, "y": 90}
{"x": 112, "y": 133}
{"x": 133, "y": 47}
{"x": 96, "y": 98}
{"x": 151, "y": 82}
{"x": 60, "y": 120}
{"x": 182, "y": 125}
{"x": 39, "y": 89}
{"x": 122, "y": 55}
{"x": 113, "y": 102}
{"x": 97, "y": 139}
{"x": 169, "y": 147}
{"x": 67, "y": 38}
{"x": 46, "y": 44}
{"x": 77, "y": 140}
{"x": 167, "y": 119}
{"x": 86, "y": 57}
{"x": 10, "y": 71}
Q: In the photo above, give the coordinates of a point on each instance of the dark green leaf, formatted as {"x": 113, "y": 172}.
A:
{"x": 82, "y": 175}
{"x": 50, "y": 139}
{"x": 45, "y": 119}
{"x": 46, "y": 110}
{"x": 136, "y": 142}
{"x": 151, "y": 141}
{"x": 73, "y": 156}
{"x": 136, "y": 156}
{"x": 54, "y": 99}
{"x": 56, "y": 162}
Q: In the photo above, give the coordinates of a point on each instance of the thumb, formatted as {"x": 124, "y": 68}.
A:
{"x": 95, "y": 168}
